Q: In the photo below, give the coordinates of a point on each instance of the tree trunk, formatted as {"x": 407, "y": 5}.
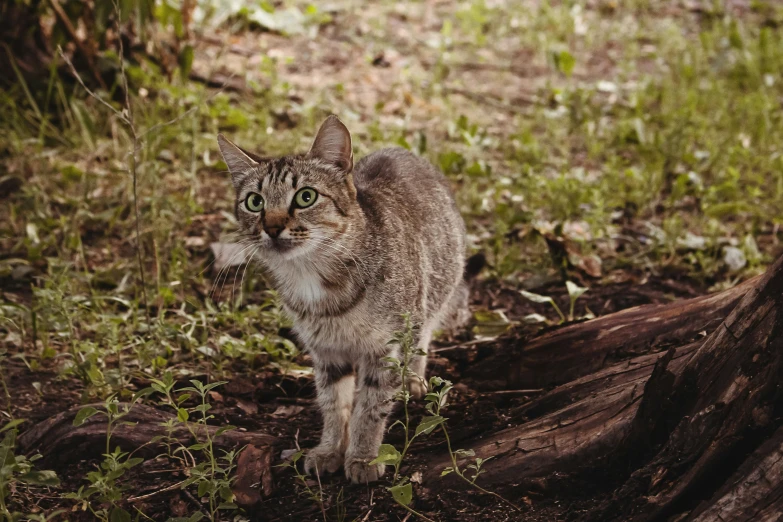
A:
{"x": 754, "y": 493}
{"x": 692, "y": 433}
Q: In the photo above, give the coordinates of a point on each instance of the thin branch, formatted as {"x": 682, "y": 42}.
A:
{"x": 149, "y": 495}
{"x": 126, "y": 117}
{"x": 132, "y": 164}
{"x": 90, "y": 92}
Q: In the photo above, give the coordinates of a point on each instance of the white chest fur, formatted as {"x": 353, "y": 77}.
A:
{"x": 354, "y": 332}
{"x": 299, "y": 282}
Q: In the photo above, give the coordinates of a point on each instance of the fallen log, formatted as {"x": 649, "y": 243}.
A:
{"x": 59, "y": 441}
{"x": 728, "y": 401}
{"x": 580, "y": 349}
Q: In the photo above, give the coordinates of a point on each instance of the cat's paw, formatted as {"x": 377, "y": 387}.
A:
{"x": 360, "y": 471}
{"x": 417, "y": 388}
{"x": 322, "y": 460}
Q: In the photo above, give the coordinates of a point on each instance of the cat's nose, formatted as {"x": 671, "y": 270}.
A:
{"x": 273, "y": 231}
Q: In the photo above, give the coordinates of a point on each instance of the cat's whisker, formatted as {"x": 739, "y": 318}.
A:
{"x": 248, "y": 262}
{"x": 224, "y": 270}
{"x": 241, "y": 241}
{"x": 244, "y": 259}
{"x": 335, "y": 257}
{"x": 360, "y": 264}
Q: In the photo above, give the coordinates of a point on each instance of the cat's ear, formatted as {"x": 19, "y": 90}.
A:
{"x": 333, "y": 144}
{"x": 238, "y": 162}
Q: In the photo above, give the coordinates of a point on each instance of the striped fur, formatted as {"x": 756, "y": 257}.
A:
{"x": 383, "y": 238}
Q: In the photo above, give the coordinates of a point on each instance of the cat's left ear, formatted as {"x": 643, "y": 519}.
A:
{"x": 333, "y": 145}
{"x": 238, "y": 162}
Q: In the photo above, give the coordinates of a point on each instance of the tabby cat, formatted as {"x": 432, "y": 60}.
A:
{"x": 350, "y": 249}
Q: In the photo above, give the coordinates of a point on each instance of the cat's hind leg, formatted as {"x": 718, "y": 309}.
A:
{"x": 417, "y": 384}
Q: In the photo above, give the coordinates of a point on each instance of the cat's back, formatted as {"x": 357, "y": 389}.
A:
{"x": 396, "y": 180}
{"x": 390, "y": 163}
{"x": 417, "y": 233}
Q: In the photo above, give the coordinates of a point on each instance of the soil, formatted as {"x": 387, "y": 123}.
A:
{"x": 269, "y": 402}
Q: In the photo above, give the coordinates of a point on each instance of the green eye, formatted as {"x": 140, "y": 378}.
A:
{"x": 305, "y": 197}
{"x": 254, "y": 202}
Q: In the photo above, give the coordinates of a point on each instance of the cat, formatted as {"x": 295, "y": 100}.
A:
{"x": 350, "y": 249}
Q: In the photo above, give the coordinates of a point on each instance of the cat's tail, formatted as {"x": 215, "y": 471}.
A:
{"x": 458, "y": 313}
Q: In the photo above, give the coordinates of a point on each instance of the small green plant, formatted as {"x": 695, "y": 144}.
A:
{"x": 315, "y": 496}
{"x": 211, "y": 475}
{"x": 436, "y": 399}
{"x": 402, "y": 488}
{"x": 574, "y": 292}
{"x": 104, "y": 482}
{"x": 18, "y": 471}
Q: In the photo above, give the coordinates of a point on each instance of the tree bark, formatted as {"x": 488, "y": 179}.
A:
{"x": 754, "y": 493}
{"x": 59, "y": 441}
{"x": 580, "y": 349}
{"x": 693, "y": 432}
{"x": 729, "y": 401}
{"x": 573, "y": 424}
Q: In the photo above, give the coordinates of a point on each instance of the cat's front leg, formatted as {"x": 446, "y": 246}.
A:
{"x": 335, "y": 383}
{"x": 373, "y": 404}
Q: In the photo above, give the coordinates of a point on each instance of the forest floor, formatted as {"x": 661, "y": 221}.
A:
{"x": 263, "y": 400}
{"x": 632, "y": 148}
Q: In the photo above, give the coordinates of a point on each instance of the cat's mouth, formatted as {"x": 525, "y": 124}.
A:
{"x": 284, "y": 246}
{"x": 281, "y": 245}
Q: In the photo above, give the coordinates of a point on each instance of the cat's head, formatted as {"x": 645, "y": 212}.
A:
{"x": 295, "y": 205}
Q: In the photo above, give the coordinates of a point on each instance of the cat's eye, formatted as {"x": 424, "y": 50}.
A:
{"x": 305, "y": 197}
{"x": 254, "y": 202}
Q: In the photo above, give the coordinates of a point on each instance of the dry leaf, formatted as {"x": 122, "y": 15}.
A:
{"x": 251, "y": 408}
{"x": 288, "y": 410}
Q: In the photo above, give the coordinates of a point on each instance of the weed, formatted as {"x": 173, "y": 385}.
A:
{"x": 210, "y": 475}
{"x": 104, "y": 482}
{"x": 402, "y": 488}
{"x": 315, "y": 496}
{"x": 436, "y": 399}
{"x": 574, "y": 292}
{"x": 18, "y": 472}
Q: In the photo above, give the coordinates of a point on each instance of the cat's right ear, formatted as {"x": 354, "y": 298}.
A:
{"x": 333, "y": 145}
{"x": 238, "y": 162}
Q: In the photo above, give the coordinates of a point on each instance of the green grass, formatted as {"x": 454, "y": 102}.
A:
{"x": 623, "y": 126}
